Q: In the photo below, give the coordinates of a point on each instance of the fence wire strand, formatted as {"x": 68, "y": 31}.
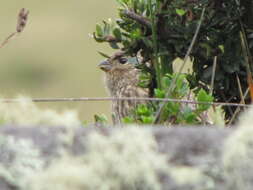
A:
{"x": 97, "y": 99}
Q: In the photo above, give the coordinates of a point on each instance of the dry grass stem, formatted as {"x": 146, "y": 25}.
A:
{"x": 173, "y": 83}
{"x": 213, "y": 74}
{"x": 21, "y": 23}
{"x": 22, "y": 20}
{"x": 240, "y": 89}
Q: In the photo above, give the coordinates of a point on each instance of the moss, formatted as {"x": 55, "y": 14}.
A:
{"x": 128, "y": 159}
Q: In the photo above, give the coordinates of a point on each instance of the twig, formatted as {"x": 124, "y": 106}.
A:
{"x": 227, "y": 100}
{"x": 6, "y": 41}
{"x": 173, "y": 83}
{"x": 21, "y": 23}
{"x": 155, "y": 60}
{"x": 96, "y": 99}
{"x": 213, "y": 74}
{"x": 240, "y": 89}
{"x": 246, "y": 51}
{"x": 138, "y": 18}
{"x": 212, "y": 80}
{"x": 248, "y": 60}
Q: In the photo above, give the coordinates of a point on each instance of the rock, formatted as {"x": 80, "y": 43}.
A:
{"x": 118, "y": 158}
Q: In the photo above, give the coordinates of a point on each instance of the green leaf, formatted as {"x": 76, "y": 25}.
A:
{"x": 143, "y": 110}
{"x": 128, "y": 120}
{"x": 143, "y": 84}
{"x": 144, "y": 79}
{"x": 122, "y": 3}
{"x": 106, "y": 28}
{"x": 189, "y": 116}
{"x": 136, "y": 34}
{"x": 100, "y": 118}
{"x": 98, "y": 39}
{"x": 147, "y": 119}
{"x": 221, "y": 47}
{"x": 99, "y": 30}
{"x": 179, "y": 81}
{"x": 173, "y": 108}
{"x": 180, "y": 12}
{"x": 117, "y": 34}
{"x": 159, "y": 93}
{"x": 203, "y": 96}
{"x": 166, "y": 81}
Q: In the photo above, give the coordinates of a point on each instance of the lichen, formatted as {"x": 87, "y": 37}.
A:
{"x": 246, "y": 119}
{"x": 19, "y": 159}
{"x": 191, "y": 178}
{"x": 25, "y": 112}
{"x": 238, "y": 155}
{"x": 128, "y": 159}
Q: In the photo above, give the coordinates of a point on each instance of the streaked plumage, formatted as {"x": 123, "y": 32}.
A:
{"x": 122, "y": 80}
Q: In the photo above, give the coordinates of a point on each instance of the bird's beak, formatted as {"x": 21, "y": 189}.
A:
{"x": 105, "y": 66}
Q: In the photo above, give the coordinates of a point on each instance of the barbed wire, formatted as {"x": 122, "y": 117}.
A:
{"x": 87, "y": 99}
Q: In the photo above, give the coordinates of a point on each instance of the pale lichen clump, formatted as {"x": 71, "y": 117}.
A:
{"x": 25, "y": 112}
{"x": 246, "y": 119}
{"x": 128, "y": 159}
{"x": 20, "y": 159}
{"x": 238, "y": 155}
{"x": 191, "y": 178}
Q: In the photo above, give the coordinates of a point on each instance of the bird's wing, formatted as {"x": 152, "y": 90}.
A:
{"x": 125, "y": 107}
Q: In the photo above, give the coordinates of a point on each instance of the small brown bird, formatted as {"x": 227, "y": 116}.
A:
{"x": 122, "y": 78}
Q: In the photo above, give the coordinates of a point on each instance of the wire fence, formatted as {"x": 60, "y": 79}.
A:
{"x": 99, "y": 99}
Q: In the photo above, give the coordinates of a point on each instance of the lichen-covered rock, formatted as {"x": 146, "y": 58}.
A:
{"x": 128, "y": 159}
{"x": 19, "y": 159}
{"x": 121, "y": 158}
{"x": 238, "y": 155}
{"x": 180, "y": 158}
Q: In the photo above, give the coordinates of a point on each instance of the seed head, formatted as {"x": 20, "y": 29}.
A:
{"x": 22, "y": 19}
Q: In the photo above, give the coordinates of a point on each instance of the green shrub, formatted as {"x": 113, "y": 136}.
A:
{"x": 162, "y": 30}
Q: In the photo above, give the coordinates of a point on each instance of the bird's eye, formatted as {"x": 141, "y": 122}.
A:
{"x": 123, "y": 60}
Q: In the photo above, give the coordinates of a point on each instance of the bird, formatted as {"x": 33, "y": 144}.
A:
{"x": 122, "y": 79}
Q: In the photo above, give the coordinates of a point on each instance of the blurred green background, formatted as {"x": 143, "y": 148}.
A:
{"x": 55, "y": 56}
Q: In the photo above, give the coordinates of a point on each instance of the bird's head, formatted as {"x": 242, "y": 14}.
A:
{"x": 118, "y": 63}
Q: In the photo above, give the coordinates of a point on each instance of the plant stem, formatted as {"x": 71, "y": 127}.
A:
{"x": 213, "y": 74}
{"x": 155, "y": 59}
{"x": 7, "y": 40}
{"x": 173, "y": 83}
